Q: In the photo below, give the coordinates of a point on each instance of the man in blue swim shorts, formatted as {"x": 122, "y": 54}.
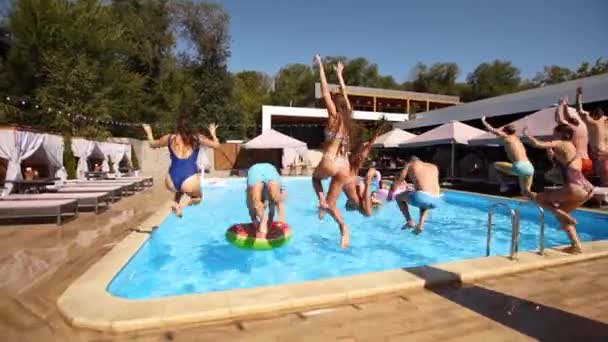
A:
{"x": 426, "y": 196}
{"x": 520, "y": 165}
{"x": 264, "y": 185}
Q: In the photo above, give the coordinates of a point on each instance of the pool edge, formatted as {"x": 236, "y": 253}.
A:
{"x": 87, "y": 303}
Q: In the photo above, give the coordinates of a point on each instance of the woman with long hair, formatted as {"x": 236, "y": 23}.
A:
{"x": 184, "y": 147}
{"x": 576, "y": 190}
{"x": 335, "y": 148}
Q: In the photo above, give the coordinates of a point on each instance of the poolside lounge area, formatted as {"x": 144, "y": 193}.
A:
{"x": 565, "y": 301}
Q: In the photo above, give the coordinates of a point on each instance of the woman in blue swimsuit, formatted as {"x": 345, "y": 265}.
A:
{"x": 184, "y": 148}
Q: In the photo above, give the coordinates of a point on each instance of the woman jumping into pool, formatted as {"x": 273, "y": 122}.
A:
{"x": 358, "y": 193}
{"x": 184, "y": 148}
{"x": 264, "y": 184}
{"x": 337, "y": 137}
{"x": 576, "y": 191}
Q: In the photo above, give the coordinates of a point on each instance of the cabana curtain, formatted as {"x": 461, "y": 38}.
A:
{"x": 16, "y": 146}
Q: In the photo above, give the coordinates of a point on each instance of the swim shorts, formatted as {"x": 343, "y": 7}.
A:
{"x": 523, "y": 168}
{"x": 423, "y": 200}
{"x": 263, "y": 173}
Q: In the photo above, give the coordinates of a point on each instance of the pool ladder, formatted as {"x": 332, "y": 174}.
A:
{"x": 515, "y": 220}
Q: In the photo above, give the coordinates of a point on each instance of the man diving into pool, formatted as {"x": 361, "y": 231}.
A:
{"x": 264, "y": 185}
{"x": 519, "y": 164}
{"x": 427, "y": 195}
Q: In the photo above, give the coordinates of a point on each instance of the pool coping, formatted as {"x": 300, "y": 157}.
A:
{"x": 87, "y": 303}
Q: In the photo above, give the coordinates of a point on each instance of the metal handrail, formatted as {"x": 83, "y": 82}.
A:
{"x": 541, "y": 242}
{"x": 514, "y": 228}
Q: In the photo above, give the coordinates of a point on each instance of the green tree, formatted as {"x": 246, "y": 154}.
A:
{"x": 251, "y": 90}
{"x": 205, "y": 26}
{"x": 294, "y": 85}
{"x": 493, "y": 79}
{"x": 553, "y": 74}
{"x": 440, "y": 78}
{"x": 357, "y": 72}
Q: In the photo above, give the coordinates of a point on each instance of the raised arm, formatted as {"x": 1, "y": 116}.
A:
{"x": 537, "y": 143}
{"x": 579, "y": 104}
{"x": 559, "y": 117}
{"x": 491, "y": 128}
{"x": 339, "y": 70}
{"x": 213, "y": 142}
{"x": 162, "y": 142}
{"x": 329, "y": 103}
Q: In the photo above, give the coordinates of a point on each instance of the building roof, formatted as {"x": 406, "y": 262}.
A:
{"x": 273, "y": 139}
{"x": 451, "y": 132}
{"x": 393, "y": 138}
{"x": 595, "y": 89}
{"x": 390, "y": 93}
{"x": 540, "y": 124}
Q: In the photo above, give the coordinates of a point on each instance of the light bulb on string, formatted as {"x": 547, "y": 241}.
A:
{"x": 8, "y": 98}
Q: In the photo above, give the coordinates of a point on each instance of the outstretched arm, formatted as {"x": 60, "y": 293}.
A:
{"x": 360, "y": 156}
{"x": 329, "y": 103}
{"x": 339, "y": 70}
{"x": 539, "y": 144}
{"x": 491, "y": 128}
{"x": 162, "y": 142}
{"x": 213, "y": 142}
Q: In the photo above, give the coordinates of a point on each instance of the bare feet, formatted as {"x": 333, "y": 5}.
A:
{"x": 322, "y": 208}
{"x": 418, "y": 230}
{"x": 345, "y": 241}
{"x": 177, "y": 209}
{"x": 411, "y": 224}
{"x": 574, "y": 249}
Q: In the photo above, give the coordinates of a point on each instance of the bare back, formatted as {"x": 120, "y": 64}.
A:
{"x": 515, "y": 148}
{"x": 425, "y": 177}
{"x": 566, "y": 154}
{"x": 597, "y": 134}
{"x": 581, "y": 139}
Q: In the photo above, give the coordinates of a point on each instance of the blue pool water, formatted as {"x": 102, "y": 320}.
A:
{"x": 191, "y": 255}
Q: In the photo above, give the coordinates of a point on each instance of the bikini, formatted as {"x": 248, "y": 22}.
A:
{"x": 575, "y": 177}
{"x": 182, "y": 168}
{"x": 330, "y": 135}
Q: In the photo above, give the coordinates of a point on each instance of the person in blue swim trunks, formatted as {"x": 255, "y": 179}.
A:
{"x": 519, "y": 164}
{"x": 264, "y": 186}
{"x": 184, "y": 147}
{"x": 426, "y": 194}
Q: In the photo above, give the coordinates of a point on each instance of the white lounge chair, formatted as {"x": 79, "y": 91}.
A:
{"x": 115, "y": 191}
{"x": 42, "y": 208}
{"x": 85, "y": 199}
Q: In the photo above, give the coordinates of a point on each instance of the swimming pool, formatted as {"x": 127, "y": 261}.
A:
{"x": 191, "y": 255}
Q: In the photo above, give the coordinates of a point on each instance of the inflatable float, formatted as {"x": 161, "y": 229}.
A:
{"x": 243, "y": 235}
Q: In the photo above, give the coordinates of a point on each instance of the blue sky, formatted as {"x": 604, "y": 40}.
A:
{"x": 267, "y": 34}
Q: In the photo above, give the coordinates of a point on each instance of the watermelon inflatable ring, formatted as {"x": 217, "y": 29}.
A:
{"x": 243, "y": 235}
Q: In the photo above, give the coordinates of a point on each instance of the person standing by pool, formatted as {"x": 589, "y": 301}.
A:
{"x": 519, "y": 164}
{"x": 184, "y": 147}
{"x": 337, "y": 138}
{"x": 576, "y": 191}
{"x": 264, "y": 185}
{"x": 581, "y": 135}
{"x": 426, "y": 194}
{"x": 598, "y": 135}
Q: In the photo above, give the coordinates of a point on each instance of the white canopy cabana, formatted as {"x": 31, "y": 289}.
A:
{"x": 453, "y": 132}
{"x": 272, "y": 139}
{"x": 84, "y": 149}
{"x": 17, "y": 146}
{"x": 115, "y": 153}
{"x": 540, "y": 124}
{"x": 393, "y": 138}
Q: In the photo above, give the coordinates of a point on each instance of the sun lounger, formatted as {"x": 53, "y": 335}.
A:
{"x": 85, "y": 199}
{"x": 147, "y": 181}
{"x": 128, "y": 188}
{"x": 115, "y": 191}
{"x": 42, "y": 208}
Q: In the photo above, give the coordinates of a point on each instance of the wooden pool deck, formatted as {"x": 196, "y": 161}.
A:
{"x": 563, "y": 303}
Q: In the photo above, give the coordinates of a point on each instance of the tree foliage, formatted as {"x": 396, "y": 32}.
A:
{"x": 493, "y": 79}
{"x": 154, "y": 60}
